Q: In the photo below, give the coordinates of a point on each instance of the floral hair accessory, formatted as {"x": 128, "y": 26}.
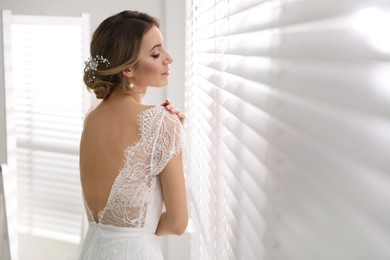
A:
{"x": 91, "y": 66}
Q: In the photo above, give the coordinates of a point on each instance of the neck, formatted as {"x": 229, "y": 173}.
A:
{"x": 137, "y": 94}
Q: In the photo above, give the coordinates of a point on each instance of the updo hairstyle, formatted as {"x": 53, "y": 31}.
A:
{"x": 118, "y": 39}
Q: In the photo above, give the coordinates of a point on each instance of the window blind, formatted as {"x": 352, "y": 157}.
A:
{"x": 288, "y": 129}
{"x": 49, "y": 104}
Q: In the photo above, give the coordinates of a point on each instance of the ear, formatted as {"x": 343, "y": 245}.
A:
{"x": 128, "y": 72}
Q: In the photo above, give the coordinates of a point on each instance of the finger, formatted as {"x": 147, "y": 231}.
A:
{"x": 175, "y": 111}
{"x": 170, "y": 107}
{"x": 166, "y": 102}
{"x": 182, "y": 117}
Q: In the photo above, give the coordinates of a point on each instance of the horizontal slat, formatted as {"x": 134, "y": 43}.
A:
{"x": 335, "y": 37}
{"x": 327, "y": 172}
{"x": 322, "y": 44}
{"x": 277, "y": 14}
{"x": 326, "y": 82}
{"x": 43, "y": 183}
{"x": 64, "y": 219}
{"x": 339, "y": 129}
{"x": 282, "y": 14}
{"x": 345, "y": 129}
{"x": 41, "y": 132}
{"x": 46, "y": 146}
{"x": 242, "y": 186}
{"x": 50, "y": 157}
{"x": 235, "y": 151}
{"x": 56, "y": 204}
{"x": 41, "y": 106}
{"x": 303, "y": 216}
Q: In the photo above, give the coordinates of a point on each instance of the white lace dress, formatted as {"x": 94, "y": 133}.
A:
{"x": 126, "y": 226}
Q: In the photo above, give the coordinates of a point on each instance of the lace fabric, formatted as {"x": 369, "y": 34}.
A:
{"x": 135, "y": 199}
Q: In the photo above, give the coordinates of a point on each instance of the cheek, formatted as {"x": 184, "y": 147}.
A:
{"x": 147, "y": 68}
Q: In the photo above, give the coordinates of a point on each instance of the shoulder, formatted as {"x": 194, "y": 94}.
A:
{"x": 158, "y": 114}
{"x": 158, "y": 123}
{"x": 89, "y": 116}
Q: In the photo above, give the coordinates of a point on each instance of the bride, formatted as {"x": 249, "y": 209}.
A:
{"x": 130, "y": 154}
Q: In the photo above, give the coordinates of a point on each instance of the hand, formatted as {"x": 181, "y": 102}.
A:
{"x": 173, "y": 110}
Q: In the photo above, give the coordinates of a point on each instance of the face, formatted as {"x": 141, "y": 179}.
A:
{"x": 152, "y": 66}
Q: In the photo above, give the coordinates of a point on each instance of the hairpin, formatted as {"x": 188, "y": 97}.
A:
{"x": 92, "y": 64}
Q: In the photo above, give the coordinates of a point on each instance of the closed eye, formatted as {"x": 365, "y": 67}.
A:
{"x": 156, "y": 55}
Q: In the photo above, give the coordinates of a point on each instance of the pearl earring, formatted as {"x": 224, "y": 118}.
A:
{"x": 130, "y": 86}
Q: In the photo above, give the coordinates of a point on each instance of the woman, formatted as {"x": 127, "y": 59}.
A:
{"x": 130, "y": 153}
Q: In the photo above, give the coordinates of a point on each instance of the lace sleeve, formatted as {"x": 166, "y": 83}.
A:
{"x": 167, "y": 143}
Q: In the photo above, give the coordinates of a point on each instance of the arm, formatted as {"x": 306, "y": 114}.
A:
{"x": 174, "y": 220}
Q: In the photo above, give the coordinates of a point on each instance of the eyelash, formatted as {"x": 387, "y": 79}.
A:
{"x": 156, "y": 56}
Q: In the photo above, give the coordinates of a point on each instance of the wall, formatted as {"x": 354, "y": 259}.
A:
{"x": 174, "y": 31}
{"x": 4, "y": 243}
{"x": 97, "y": 9}
{"x": 171, "y": 14}
{"x": 3, "y": 127}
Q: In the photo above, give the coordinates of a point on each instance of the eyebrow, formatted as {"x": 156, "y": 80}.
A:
{"x": 155, "y": 46}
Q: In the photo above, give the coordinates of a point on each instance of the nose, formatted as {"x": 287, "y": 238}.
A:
{"x": 168, "y": 58}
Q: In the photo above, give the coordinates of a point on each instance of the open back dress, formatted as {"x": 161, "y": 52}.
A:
{"x": 126, "y": 226}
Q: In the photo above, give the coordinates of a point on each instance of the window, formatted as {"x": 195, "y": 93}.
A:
{"x": 288, "y": 129}
{"x": 47, "y": 56}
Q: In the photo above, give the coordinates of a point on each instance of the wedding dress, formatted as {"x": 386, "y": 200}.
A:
{"x": 126, "y": 226}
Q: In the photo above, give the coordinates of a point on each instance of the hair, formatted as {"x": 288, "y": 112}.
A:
{"x": 118, "y": 39}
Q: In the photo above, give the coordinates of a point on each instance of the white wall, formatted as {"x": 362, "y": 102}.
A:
{"x": 4, "y": 242}
{"x": 97, "y": 9}
{"x": 171, "y": 14}
{"x": 174, "y": 31}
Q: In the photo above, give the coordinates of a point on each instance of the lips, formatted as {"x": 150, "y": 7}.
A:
{"x": 166, "y": 73}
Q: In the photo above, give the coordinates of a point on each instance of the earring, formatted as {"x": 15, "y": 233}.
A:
{"x": 130, "y": 86}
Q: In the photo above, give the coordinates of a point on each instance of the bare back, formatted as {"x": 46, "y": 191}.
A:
{"x": 109, "y": 130}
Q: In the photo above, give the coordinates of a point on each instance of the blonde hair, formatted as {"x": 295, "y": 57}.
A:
{"x": 118, "y": 39}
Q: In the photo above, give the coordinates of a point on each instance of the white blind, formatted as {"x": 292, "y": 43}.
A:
{"x": 288, "y": 126}
{"x": 47, "y": 64}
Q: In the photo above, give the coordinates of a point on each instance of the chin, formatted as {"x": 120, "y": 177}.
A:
{"x": 160, "y": 84}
